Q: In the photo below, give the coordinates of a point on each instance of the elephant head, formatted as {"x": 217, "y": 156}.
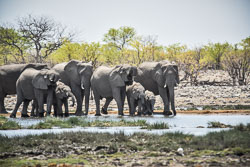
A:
{"x": 80, "y": 73}
{"x": 122, "y": 75}
{"x": 63, "y": 91}
{"x": 45, "y": 78}
{"x": 167, "y": 77}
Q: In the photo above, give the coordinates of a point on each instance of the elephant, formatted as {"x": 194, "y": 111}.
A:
{"x": 111, "y": 83}
{"x": 35, "y": 85}
{"x": 61, "y": 94}
{"x": 8, "y": 77}
{"x": 149, "y": 103}
{"x": 136, "y": 97}
{"x": 160, "y": 78}
{"x": 76, "y": 74}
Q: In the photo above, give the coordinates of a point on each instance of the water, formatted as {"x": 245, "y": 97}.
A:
{"x": 186, "y": 123}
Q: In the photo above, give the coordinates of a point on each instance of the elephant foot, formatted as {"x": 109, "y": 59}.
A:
{"x": 66, "y": 114}
{"x": 103, "y": 111}
{"x": 79, "y": 114}
{"x": 167, "y": 113}
{"x": 41, "y": 115}
{"x": 25, "y": 115}
{"x": 121, "y": 114}
{"x": 174, "y": 112}
{"x": 4, "y": 112}
{"x": 98, "y": 114}
{"x": 12, "y": 115}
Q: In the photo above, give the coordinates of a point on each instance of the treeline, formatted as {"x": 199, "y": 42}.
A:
{"x": 41, "y": 39}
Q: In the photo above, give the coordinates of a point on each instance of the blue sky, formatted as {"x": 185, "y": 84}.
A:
{"x": 191, "y": 22}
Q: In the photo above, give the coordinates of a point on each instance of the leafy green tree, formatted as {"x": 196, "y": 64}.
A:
{"x": 90, "y": 52}
{"x": 12, "y": 43}
{"x": 119, "y": 38}
{"x": 173, "y": 50}
{"x": 215, "y": 52}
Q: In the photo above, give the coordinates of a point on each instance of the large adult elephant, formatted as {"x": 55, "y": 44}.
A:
{"x": 36, "y": 85}
{"x": 8, "y": 77}
{"x": 111, "y": 83}
{"x": 77, "y": 74}
{"x": 160, "y": 78}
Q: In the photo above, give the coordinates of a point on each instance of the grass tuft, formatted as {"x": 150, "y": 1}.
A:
{"x": 156, "y": 125}
{"x": 218, "y": 125}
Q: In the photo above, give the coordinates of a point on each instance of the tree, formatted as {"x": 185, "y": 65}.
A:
{"x": 192, "y": 62}
{"x": 119, "y": 38}
{"x": 12, "y": 43}
{"x": 45, "y": 35}
{"x": 216, "y": 52}
{"x": 173, "y": 50}
{"x": 237, "y": 62}
{"x": 90, "y": 52}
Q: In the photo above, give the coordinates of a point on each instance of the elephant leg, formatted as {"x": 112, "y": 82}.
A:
{"x": 132, "y": 107}
{"x": 105, "y": 107}
{"x": 40, "y": 99}
{"x": 66, "y": 107}
{"x": 34, "y": 108}
{"x": 97, "y": 102}
{"x": 163, "y": 94}
{"x": 18, "y": 103}
{"x": 129, "y": 105}
{"x": 25, "y": 108}
{"x": 59, "y": 108}
{"x": 117, "y": 97}
{"x": 140, "y": 108}
{"x": 49, "y": 102}
{"x": 78, "y": 94}
{"x": 123, "y": 96}
{"x": 2, "y": 108}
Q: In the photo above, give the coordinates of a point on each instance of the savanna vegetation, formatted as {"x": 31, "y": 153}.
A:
{"x": 225, "y": 148}
{"x": 41, "y": 39}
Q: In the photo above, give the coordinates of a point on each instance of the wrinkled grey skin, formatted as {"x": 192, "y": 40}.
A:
{"x": 111, "y": 83}
{"x": 8, "y": 77}
{"x": 60, "y": 97}
{"x": 160, "y": 78}
{"x": 136, "y": 97}
{"x": 149, "y": 103}
{"x": 62, "y": 93}
{"x": 76, "y": 75}
{"x": 35, "y": 85}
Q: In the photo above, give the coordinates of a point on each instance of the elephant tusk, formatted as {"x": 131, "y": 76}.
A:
{"x": 82, "y": 87}
{"x": 165, "y": 85}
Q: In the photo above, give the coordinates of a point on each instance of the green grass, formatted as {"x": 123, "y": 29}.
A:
{"x": 75, "y": 121}
{"x": 161, "y": 125}
{"x": 5, "y": 124}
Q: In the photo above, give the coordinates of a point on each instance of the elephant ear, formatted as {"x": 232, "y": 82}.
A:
{"x": 71, "y": 70}
{"x": 40, "y": 81}
{"x": 159, "y": 76}
{"x": 177, "y": 73}
{"x": 115, "y": 79}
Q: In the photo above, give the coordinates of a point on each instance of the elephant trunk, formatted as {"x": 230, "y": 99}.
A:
{"x": 87, "y": 94}
{"x": 170, "y": 87}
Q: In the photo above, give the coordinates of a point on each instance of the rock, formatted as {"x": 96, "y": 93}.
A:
{"x": 180, "y": 151}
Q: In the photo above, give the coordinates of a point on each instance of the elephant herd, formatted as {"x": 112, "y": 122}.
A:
{"x": 76, "y": 79}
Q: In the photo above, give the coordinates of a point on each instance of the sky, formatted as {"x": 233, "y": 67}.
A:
{"x": 190, "y": 22}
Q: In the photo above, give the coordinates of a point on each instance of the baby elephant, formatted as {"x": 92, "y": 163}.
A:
{"x": 149, "y": 103}
{"x": 61, "y": 94}
{"x": 136, "y": 97}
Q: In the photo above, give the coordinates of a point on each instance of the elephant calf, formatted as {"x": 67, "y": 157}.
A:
{"x": 136, "y": 97}
{"x": 149, "y": 103}
{"x": 60, "y": 97}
